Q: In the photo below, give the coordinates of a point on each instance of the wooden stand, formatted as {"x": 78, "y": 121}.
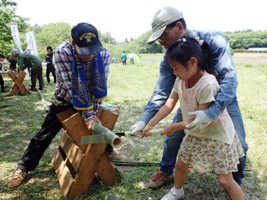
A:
{"x": 18, "y": 85}
{"x": 77, "y": 164}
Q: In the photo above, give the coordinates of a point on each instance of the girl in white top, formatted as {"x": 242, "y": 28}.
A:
{"x": 214, "y": 148}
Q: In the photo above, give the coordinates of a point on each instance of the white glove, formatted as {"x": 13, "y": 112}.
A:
{"x": 201, "y": 120}
{"x": 137, "y": 127}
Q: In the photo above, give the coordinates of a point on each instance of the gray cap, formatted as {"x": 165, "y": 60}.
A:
{"x": 161, "y": 20}
{"x": 15, "y": 52}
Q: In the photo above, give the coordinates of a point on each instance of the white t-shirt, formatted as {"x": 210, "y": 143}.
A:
{"x": 204, "y": 91}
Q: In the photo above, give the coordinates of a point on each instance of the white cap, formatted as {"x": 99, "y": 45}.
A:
{"x": 161, "y": 20}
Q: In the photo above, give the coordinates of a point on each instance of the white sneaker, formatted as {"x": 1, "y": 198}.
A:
{"x": 173, "y": 195}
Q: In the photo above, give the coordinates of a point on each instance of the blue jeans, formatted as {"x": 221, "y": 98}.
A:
{"x": 173, "y": 142}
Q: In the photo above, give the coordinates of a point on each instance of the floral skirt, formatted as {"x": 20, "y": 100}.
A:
{"x": 208, "y": 155}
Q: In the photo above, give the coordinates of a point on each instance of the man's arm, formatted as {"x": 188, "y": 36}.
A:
{"x": 164, "y": 111}
{"x": 62, "y": 62}
{"x": 225, "y": 73}
{"x": 161, "y": 92}
{"x": 160, "y": 95}
{"x": 21, "y": 62}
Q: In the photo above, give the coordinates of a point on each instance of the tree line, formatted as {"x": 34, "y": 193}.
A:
{"x": 54, "y": 34}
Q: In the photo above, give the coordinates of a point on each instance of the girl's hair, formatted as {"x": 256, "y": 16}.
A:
{"x": 2, "y": 56}
{"x": 185, "y": 48}
{"x": 49, "y": 48}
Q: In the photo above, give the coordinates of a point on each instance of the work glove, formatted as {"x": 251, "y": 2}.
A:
{"x": 201, "y": 120}
{"x": 137, "y": 127}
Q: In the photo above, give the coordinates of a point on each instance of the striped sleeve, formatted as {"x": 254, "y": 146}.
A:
{"x": 106, "y": 61}
{"x": 62, "y": 62}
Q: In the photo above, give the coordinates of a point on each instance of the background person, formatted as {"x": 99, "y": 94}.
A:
{"x": 13, "y": 64}
{"x": 168, "y": 25}
{"x": 81, "y": 84}
{"x": 123, "y": 58}
{"x": 49, "y": 64}
{"x": 3, "y": 60}
{"x": 34, "y": 65}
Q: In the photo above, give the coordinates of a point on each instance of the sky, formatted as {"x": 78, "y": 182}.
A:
{"x": 130, "y": 19}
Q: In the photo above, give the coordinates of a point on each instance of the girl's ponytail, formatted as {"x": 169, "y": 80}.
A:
{"x": 207, "y": 61}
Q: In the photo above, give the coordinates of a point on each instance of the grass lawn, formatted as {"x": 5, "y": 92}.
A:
{"x": 130, "y": 87}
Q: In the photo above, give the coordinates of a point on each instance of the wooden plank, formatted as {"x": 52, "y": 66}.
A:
{"x": 22, "y": 88}
{"x": 65, "y": 114}
{"x": 93, "y": 155}
{"x": 14, "y": 89}
{"x": 108, "y": 119}
{"x": 61, "y": 152}
{"x": 75, "y": 156}
{"x": 57, "y": 160}
{"x": 65, "y": 179}
{"x": 18, "y": 83}
{"x": 88, "y": 170}
{"x": 76, "y": 129}
{"x": 65, "y": 143}
{"x": 98, "y": 114}
{"x": 107, "y": 172}
{"x": 81, "y": 162}
{"x": 71, "y": 151}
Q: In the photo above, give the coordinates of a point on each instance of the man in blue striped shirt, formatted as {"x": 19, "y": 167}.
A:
{"x": 81, "y": 69}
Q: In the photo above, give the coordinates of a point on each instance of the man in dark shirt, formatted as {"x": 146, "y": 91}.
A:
{"x": 34, "y": 65}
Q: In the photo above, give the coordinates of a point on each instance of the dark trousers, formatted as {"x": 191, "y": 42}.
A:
{"x": 37, "y": 74}
{"x": 40, "y": 142}
{"x": 2, "y": 83}
{"x": 48, "y": 71}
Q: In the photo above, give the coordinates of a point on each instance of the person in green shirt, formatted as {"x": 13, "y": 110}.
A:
{"x": 34, "y": 65}
{"x": 123, "y": 58}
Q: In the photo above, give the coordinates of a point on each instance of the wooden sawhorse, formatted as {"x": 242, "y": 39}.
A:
{"x": 77, "y": 164}
{"x": 18, "y": 85}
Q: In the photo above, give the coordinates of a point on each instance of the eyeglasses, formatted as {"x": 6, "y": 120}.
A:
{"x": 164, "y": 35}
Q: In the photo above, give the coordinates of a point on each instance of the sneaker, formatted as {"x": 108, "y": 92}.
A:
{"x": 159, "y": 179}
{"x": 17, "y": 178}
{"x": 173, "y": 195}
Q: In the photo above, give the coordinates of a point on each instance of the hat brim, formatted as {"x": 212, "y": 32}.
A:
{"x": 89, "y": 50}
{"x": 156, "y": 35}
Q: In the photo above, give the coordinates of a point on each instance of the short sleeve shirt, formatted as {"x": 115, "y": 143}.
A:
{"x": 204, "y": 91}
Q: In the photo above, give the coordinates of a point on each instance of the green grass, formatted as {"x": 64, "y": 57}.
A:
{"x": 130, "y": 87}
{"x": 253, "y": 97}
